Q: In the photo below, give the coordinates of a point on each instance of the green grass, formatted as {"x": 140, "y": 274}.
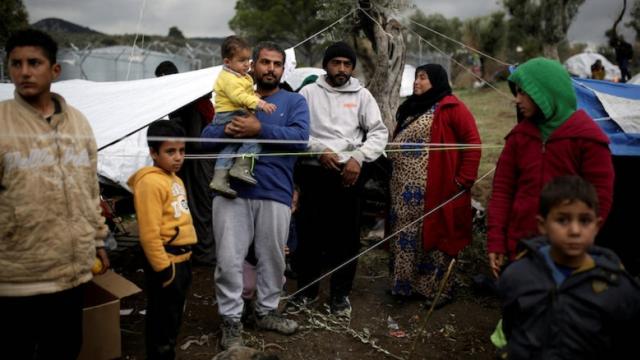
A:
{"x": 495, "y": 116}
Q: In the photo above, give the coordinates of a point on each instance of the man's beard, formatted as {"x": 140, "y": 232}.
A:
{"x": 267, "y": 85}
{"x": 338, "y": 79}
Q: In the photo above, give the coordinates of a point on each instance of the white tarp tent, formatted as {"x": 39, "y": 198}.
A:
{"x": 119, "y": 112}
{"x": 580, "y": 65}
{"x": 298, "y": 75}
{"x": 408, "y": 76}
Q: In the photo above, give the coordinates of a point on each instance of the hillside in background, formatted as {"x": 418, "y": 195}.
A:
{"x": 71, "y": 35}
{"x": 62, "y": 26}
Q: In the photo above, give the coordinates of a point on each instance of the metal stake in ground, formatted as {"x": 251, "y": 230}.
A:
{"x": 423, "y": 326}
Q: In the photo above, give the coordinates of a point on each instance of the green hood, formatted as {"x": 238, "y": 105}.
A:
{"x": 549, "y": 86}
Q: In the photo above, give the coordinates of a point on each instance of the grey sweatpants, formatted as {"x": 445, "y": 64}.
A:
{"x": 236, "y": 224}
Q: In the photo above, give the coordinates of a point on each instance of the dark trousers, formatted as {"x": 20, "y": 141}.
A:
{"x": 165, "y": 307}
{"x": 625, "y": 75}
{"x": 45, "y": 326}
{"x": 328, "y": 228}
{"x": 196, "y": 174}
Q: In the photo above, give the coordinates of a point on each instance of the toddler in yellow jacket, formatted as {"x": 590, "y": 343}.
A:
{"x": 234, "y": 97}
{"x": 166, "y": 234}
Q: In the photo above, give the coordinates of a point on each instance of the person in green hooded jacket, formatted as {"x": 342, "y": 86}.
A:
{"x": 552, "y": 138}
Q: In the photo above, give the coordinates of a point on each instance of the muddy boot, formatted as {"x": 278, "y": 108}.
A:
{"x": 241, "y": 170}
{"x": 220, "y": 183}
{"x": 231, "y": 334}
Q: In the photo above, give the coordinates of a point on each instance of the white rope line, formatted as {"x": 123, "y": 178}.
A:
{"x": 455, "y": 146}
{"x": 385, "y": 239}
{"x": 461, "y": 44}
{"x": 135, "y": 39}
{"x": 305, "y": 142}
{"x": 464, "y": 67}
{"x": 444, "y": 53}
{"x": 323, "y": 30}
{"x": 594, "y": 91}
{"x": 213, "y": 156}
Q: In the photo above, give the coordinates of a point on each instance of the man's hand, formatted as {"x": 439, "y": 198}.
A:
{"x": 329, "y": 160}
{"x": 350, "y": 172}
{"x": 243, "y": 127}
{"x": 101, "y": 253}
{"x": 495, "y": 262}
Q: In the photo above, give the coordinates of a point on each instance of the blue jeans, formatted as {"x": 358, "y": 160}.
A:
{"x": 225, "y": 163}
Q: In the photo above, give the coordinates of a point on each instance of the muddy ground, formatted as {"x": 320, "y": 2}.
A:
{"x": 459, "y": 330}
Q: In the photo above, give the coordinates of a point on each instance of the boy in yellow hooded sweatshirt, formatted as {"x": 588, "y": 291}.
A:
{"x": 166, "y": 235}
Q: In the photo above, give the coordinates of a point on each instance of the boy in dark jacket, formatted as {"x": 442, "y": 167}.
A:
{"x": 565, "y": 298}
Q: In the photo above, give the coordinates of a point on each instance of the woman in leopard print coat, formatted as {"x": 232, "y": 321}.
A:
{"x": 422, "y": 180}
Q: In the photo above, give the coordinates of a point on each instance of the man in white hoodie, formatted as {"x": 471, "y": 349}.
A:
{"x": 346, "y": 133}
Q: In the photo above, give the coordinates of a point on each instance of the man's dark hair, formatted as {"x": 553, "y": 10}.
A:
{"x": 36, "y": 38}
{"x": 166, "y": 68}
{"x": 163, "y": 128}
{"x": 267, "y": 45}
{"x": 231, "y": 45}
{"x": 567, "y": 189}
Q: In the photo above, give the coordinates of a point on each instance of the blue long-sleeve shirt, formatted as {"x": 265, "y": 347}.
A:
{"x": 274, "y": 173}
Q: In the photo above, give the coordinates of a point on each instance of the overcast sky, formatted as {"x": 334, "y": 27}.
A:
{"x": 210, "y": 17}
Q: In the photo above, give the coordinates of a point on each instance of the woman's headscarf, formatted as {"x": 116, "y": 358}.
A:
{"x": 418, "y": 104}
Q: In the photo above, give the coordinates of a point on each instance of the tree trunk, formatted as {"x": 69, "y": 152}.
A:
{"x": 550, "y": 51}
{"x": 382, "y": 58}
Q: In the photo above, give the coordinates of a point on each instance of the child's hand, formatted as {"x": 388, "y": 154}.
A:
{"x": 294, "y": 200}
{"x": 269, "y": 108}
{"x": 495, "y": 262}
{"x": 286, "y": 250}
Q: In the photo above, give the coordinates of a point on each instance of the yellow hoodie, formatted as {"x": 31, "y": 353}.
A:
{"x": 235, "y": 92}
{"x": 162, "y": 212}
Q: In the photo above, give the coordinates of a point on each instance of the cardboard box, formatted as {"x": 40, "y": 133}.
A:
{"x": 101, "y": 316}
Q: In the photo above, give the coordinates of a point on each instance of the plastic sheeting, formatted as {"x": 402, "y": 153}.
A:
{"x": 616, "y": 107}
{"x": 123, "y": 109}
{"x": 580, "y": 65}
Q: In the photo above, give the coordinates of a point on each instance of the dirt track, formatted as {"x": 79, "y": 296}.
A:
{"x": 459, "y": 330}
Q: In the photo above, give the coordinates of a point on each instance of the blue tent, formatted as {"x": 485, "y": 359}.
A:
{"x": 617, "y": 232}
{"x": 622, "y": 144}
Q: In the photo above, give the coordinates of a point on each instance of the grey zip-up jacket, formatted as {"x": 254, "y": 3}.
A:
{"x": 50, "y": 220}
{"x": 346, "y": 120}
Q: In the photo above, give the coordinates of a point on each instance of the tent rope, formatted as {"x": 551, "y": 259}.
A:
{"x": 462, "y": 66}
{"x": 135, "y": 39}
{"x": 457, "y": 195}
{"x": 323, "y": 30}
{"x": 461, "y": 43}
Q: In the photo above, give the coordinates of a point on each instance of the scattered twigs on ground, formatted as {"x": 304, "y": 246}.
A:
{"x": 423, "y": 326}
{"x": 318, "y": 320}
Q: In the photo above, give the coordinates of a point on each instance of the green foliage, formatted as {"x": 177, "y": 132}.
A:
{"x": 567, "y": 50}
{"x": 486, "y": 33}
{"x": 536, "y": 24}
{"x": 635, "y": 19}
{"x": 286, "y": 22}
{"x": 175, "y": 33}
{"x": 13, "y": 16}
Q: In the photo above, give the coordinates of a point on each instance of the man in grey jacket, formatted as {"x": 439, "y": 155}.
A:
{"x": 346, "y": 133}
